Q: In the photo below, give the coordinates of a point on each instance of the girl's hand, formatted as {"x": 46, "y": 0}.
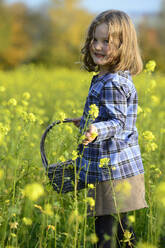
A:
{"x": 76, "y": 121}
{"x": 90, "y": 134}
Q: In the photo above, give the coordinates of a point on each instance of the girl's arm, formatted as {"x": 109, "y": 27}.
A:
{"x": 114, "y": 100}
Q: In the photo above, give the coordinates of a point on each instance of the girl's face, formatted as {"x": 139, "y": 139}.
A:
{"x": 99, "y": 49}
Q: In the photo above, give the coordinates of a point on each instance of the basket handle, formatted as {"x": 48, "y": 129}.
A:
{"x": 42, "y": 143}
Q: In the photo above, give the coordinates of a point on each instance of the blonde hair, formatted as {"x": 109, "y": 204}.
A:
{"x": 125, "y": 54}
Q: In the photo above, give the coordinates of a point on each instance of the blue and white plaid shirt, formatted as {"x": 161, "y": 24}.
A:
{"x": 116, "y": 97}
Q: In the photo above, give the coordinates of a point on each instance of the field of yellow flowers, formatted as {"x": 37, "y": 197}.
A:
{"x": 32, "y": 215}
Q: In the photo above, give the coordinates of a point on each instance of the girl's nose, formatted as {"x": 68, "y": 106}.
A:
{"x": 97, "y": 46}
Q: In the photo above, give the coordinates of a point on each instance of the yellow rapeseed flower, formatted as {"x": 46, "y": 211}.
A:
{"x": 2, "y": 88}
{"x": 153, "y": 84}
{"x": 74, "y": 155}
{"x": 25, "y": 103}
{"x": 61, "y": 158}
{"x": 93, "y": 238}
{"x": 32, "y": 117}
{"x": 91, "y": 202}
{"x": 33, "y": 191}
{"x": 13, "y": 225}
{"x": 139, "y": 110}
{"x": 155, "y": 100}
{"x": 12, "y": 102}
{"x": 91, "y": 186}
{"x": 127, "y": 235}
{"x": 94, "y": 111}
{"x": 104, "y": 162}
{"x": 51, "y": 227}
{"x": 131, "y": 218}
{"x": 148, "y": 136}
{"x": 150, "y": 66}
{"x": 62, "y": 116}
{"x": 26, "y": 95}
{"x": 39, "y": 207}
{"x": 27, "y": 221}
{"x": 151, "y": 146}
{"x": 48, "y": 210}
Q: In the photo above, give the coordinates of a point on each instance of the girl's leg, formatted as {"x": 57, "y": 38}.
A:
{"x": 104, "y": 227}
{"x": 108, "y": 231}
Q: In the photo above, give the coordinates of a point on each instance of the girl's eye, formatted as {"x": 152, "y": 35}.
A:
{"x": 106, "y": 41}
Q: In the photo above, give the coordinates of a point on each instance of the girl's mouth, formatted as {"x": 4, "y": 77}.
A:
{"x": 99, "y": 55}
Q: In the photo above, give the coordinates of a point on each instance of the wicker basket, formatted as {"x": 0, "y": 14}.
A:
{"x": 63, "y": 176}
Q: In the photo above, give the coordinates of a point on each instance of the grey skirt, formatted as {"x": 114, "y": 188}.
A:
{"x": 117, "y": 196}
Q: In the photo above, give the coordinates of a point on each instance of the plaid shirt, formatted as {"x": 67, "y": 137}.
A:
{"x": 116, "y": 97}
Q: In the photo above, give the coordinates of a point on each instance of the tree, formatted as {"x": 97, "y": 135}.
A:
{"x": 69, "y": 25}
{"x": 152, "y": 37}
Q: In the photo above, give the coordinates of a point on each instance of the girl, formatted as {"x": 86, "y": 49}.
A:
{"x": 112, "y": 159}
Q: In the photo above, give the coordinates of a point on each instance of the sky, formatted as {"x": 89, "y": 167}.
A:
{"x": 96, "y": 6}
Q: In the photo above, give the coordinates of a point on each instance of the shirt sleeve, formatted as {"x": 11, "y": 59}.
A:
{"x": 114, "y": 100}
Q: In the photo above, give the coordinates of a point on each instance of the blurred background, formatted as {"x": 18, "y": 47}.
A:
{"x": 51, "y": 32}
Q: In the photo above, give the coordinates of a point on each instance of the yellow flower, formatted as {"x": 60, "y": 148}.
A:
{"x": 13, "y": 235}
{"x": 25, "y": 103}
{"x": 13, "y": 225}
{"x": 153, "y": 84}
{"x": 91, "y": 186}
{"x": 33, "y": 191}
{"x": 27, "y": 221}
{"x": 48, "y": 209}
{"x": 151, "y": 146}
{"x": 26, "y": 95}
{"x": 127, "y": 235}
{"x": 93, "y": 238}
{"x": 2, "y": 88}
{"x": 94, "y": 111}
{"x": 91, "y": 201}
{"x": 104, "y": 162}
{"x": 39, "y": 207}
{"x": 139, "y": 110}
{"x": 150, "y": 66}
{"x": 82, "y": 138}
{"x": 155, "y": 100}
{"x": 12, "y": 101}
{"x": 61, "y": 158}
{"x": 131, "y": 218}
{"x": 51, "y": 227}
{"x": 62, "y": 116}
{"x": 148, "y": 135}
{"x": 32, "y": 117}
{"x": 74, "y": 155}
{"x": 24, "y": 115}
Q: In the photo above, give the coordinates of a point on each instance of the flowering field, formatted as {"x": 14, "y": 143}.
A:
{"x": 32, "y": 214}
